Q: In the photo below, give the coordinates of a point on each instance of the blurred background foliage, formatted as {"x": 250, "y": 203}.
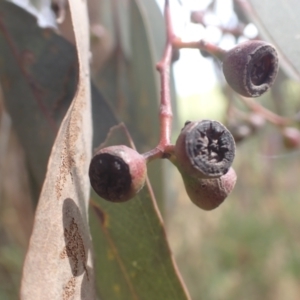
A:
{"x": 249, "y": 247}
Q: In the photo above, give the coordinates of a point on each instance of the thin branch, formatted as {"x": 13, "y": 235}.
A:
{"x": 165, "y": 112}
{"x": 163, "y": 67}
{"x": 212, "y": 49}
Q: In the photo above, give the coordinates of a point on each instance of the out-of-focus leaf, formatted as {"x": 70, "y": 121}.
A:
{"x": 278, "y": 22}
{"x": 58, "y": 264}
{"x": 133, "y": 259}
{"x": 150, "y": 11}
{"x": 38, "y": 74}
{"x": 102, "y": 115}
{"x": 143, "y": 74}
{"x": 15, "y": 187}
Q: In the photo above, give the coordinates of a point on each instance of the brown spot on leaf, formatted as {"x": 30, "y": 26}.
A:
{"x": 70, "y": 149}
{"x": 74, "y": 249}
{"x": 69, "y": 289}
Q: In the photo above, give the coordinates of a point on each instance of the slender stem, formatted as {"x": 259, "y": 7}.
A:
{"x": 157, "y": 152}
{"x": 164, "y": 148}
{"x": 201, "y": 45}
{"x": 163, "y": 67}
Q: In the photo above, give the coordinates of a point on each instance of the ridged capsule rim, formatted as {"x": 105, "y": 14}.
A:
{"x": 210, "y": 166}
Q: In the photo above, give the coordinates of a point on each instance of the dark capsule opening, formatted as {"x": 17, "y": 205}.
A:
{"x": 208, "y": 145}
{"x": 110, "y": 176}
{"x": 250, "y": 68}
{"x": 211, "y": 148}
{"x": 261, "y": 69}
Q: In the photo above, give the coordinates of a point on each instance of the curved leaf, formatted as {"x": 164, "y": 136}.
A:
{"x": 58, "y": 264}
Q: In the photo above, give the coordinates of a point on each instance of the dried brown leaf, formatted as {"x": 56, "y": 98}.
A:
{"x": 58, "y": 264}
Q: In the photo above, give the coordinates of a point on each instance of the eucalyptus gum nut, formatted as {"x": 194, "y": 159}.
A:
{"x": 251, "y": 67}
{"x": 204, "y": 149}
{"x": 117, "y": 173}
{"x": 208, "y": 194}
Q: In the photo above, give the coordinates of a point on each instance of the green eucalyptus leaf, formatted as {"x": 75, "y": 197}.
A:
{"x": 133, "y": 258}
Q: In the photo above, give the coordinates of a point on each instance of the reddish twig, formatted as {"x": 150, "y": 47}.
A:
{"x": 164, "y": 148}
{"x": 163, "y": 67}
{"x": 212, "y": 49}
